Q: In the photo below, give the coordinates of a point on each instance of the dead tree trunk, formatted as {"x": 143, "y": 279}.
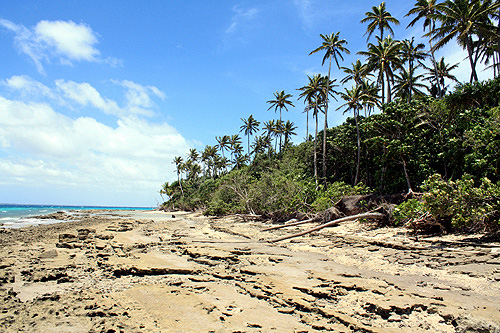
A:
{"x": 370, "y": 215}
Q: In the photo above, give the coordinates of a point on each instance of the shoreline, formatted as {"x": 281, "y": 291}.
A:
{"x": 147, "y": 271}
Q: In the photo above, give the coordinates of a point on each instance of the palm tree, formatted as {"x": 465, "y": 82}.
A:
{"x": 384, "y": 56}
{"x": 463, "y": 19}
{"x": 223, "y": 143}
{"x": 250, "y": 126}
{"x": 407, "y": 84}
{"x": 193, "y": 155}
{"x": 259, "y": 145}
{"x": 354, "y": 101}
{"x": 281, "y": 101}
{"x": 288, "y": 130}
{"x": 357, "y": 73}
{"x": 437, "y": 75}
{"x": 412, "y": 53}
{"x": 178, "y": 161}
{"x": 371, "y": 98}
{"x": 269, "y": 127}
{"x": 310, "y": 93}
{"x": 379, "y": 18}
{"x": 425, "y": 9}
{"x": 234, "y": 140}
{"x": 333, "y": 47}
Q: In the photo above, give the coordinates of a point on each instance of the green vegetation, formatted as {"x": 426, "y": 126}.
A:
{"x": 445, "y": 144}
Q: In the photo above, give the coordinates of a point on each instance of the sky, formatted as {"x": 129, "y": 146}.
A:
{"x": 97, "y": 97}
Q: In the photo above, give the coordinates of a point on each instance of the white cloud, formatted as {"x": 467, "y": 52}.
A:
{"x": 65, "y": 41}
{"x": 28, "y": 87}
{"x": 241, "y": 17}
{"x": 72, "y": 41}
{"x": 84, "y": 94}
{"x": 83, "y": 153}
{"x": 304, "y": 8}
{"x": 138, "y": 97}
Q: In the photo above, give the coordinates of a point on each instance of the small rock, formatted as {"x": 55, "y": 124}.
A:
{"x": 48, "y": 254}
{"x": 394, "y": 318}
{"x": 67, "y": 238}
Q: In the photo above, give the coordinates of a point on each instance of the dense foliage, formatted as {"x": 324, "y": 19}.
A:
{"x": 446, "y": 144}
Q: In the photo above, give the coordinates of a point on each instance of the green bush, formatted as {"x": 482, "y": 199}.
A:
{"x": 408, "y": 210}
{"x": 468, "y": 207}
{"x": 335, "y": 191}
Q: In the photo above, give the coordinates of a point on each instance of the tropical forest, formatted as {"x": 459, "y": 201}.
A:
{"x": 418, "y": 146}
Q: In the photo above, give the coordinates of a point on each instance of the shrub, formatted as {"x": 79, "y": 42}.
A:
{"x": 335, "y": 191}
{"x": 468, "y": 207}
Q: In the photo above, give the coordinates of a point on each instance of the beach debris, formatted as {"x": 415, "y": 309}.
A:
{"x": 369, "y": 215}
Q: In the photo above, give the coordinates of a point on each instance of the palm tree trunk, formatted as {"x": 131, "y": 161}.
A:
{"x": 469, "y": 46}
{"x": 315, "y": 152}
{"x": 359, "y": 147}
{"x": 433, "y": 58}
{"x": 326, "y": 120}
{"x": 407, "y": 176}
{"x": 383, "y": 86}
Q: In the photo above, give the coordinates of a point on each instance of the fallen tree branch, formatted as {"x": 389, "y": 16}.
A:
{"x": 314, "y": 219}
{"x": 371, "y": 215}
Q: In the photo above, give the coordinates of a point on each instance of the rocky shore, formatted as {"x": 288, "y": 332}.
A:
{"x": 151, "y": 272}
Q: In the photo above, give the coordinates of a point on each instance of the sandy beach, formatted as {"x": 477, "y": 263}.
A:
{"x": 152, "y": 272}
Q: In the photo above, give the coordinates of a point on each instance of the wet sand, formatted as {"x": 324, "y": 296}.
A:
{"x": 149, "y": 272}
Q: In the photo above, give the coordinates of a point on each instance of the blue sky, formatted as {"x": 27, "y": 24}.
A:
{"x": 97, "y": 97}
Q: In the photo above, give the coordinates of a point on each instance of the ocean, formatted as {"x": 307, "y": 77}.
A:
{"x": 16, "y": 216}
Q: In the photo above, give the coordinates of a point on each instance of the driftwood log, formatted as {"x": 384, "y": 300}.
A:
{"x": 293, "y": 222}
{"x": 369, "y": 215}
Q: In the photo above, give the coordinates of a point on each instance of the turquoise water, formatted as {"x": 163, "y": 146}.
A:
{"x": 16, "y": 216}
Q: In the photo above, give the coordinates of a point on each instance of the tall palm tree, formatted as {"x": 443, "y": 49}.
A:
{"x": 384, "y": 56}
{"x": 178, "y": 161}
{"x": 412, "y": 53}
{"x": 333, "y": 47}
{"x": 379, "y": 18}
{"x": 425, "y": 9}
{"x": 269, "y": 127}
{"x": 356, "y": 73}
{"x": 407, "y": 84}
{"x": 280, "y": 102}
{"x": 464, "y": 19}
{"x": 235, "y": 142}
{"x": 250, "y": 126}
{"x": 223, "y": 143}
{"x": 310, "y": 93}
{"x": 437, "y": 75}
{"x": 354, "y": 101}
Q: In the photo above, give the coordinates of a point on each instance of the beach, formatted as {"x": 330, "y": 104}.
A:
{"x": 153, "y": 271}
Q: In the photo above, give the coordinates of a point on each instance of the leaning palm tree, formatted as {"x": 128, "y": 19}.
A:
{"x": 280, "y": 102}
{"x": 384, "y": 57}
{"x": 249, "y": 127}
{"x": 464, "y": 20}
{"x": 333, "y": 47}
{"x": 354, "y": 101}
{"x": 379, "y": 18}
